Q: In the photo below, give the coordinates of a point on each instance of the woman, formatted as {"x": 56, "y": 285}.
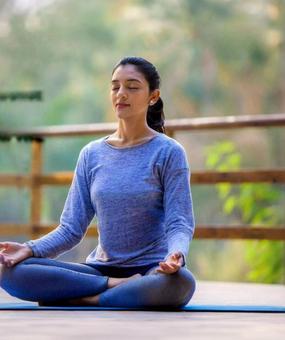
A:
{"x": 136, "y": 182}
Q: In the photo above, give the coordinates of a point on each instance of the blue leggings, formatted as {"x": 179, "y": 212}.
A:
{"x": 49, "y": 280}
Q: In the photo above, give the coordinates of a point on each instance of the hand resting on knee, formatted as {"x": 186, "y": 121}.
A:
{"x": 13, "y": 252}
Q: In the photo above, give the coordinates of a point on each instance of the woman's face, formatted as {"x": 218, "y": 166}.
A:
{"x": 130, "y": 93}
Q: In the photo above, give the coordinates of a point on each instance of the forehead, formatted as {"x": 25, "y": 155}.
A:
{"x": 127, "y": 72}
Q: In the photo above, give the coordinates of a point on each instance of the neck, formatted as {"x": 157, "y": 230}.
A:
{"x": 130, "y": 130}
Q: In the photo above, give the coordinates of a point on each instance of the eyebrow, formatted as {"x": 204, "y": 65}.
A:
{"x": 115, "y": 80}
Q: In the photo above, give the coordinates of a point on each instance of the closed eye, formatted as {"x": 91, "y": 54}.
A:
{"x": 130, "y": 88}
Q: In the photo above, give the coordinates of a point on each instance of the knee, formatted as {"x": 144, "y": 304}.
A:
{"x": 11, "y": 280}
{"x": 185, "y": 284}
{"x": 6, "y": 279}
{"x": 8, "y": 274}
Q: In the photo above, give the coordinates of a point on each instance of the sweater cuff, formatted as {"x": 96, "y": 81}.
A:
{"x": 31, "y": 245}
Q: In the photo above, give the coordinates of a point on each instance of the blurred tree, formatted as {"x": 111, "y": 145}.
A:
{"x": 252, "y": 204}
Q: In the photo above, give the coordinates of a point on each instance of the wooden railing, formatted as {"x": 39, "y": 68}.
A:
{"x": 35, "y": 180}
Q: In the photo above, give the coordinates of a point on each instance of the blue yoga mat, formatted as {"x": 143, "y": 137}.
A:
{"x": 190, "y": 308}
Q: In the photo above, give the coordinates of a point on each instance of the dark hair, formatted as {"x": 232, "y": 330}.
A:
{"x": 155, "y": 115}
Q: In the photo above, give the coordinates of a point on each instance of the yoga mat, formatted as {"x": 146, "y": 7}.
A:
{"x": 189, "y": 308}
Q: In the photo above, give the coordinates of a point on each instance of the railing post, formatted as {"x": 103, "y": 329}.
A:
{"x": 36, "y": 191}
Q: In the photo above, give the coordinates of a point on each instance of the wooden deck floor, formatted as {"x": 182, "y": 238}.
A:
{"x": 43, "y": 325}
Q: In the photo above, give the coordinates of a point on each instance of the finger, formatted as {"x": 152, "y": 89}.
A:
{"x": 173, "y": 266}
{"x": 168, "y": 269}
{"x": 3, "y": 257}
{"x": 178, "y": 256}
{"x": 4, "y": 262}
{"x": 164, "y": 266}
{"x": 172, "y": 263}
{"x": 163, "y": 271}
{"x": 10, "y": 263}
{"x": 179, "y": 260}
{"x": 174, "y": 258}
{"x": 159, "y": 271}
{"x": 177, "y": 264}
{"x": 3, "y": 245}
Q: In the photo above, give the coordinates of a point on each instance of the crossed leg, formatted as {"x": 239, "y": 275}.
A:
{"x": 41, "y": 279}
{"x": 152, "y": 290}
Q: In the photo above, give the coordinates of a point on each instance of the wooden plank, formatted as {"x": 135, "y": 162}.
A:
{"x": 241, "y": 176}
{"x": 226, "y": 122}
{"x": 240, "y": 232}
{"x": 57, "y": 178}
{"x": 184, "y": 124}
{"x": 15, "y": 180}
{"x": 197, "y": 177}
{"x": 38, "y": 230}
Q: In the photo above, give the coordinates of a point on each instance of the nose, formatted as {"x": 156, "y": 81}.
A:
{"x": 121, "y": 92}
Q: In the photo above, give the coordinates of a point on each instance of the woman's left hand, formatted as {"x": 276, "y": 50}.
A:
{"x": 172, "y": 264}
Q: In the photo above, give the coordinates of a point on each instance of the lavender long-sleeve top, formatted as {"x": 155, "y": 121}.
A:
{"x": 140, "y": 196}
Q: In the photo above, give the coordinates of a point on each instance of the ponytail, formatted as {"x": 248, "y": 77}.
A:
{"x": 155, "y": 116}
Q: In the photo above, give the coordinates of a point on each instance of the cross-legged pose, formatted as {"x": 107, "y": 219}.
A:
{"x": 136, "y": 182}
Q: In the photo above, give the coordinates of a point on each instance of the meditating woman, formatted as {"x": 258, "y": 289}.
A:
{"x": 136, "y": 182}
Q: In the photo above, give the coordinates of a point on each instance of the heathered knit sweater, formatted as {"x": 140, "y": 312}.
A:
{"x": 140, "y": 196}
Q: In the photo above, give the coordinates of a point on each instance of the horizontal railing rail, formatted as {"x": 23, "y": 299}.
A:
{"x": 171, "y": 126}
{"x": 197, "y": 177}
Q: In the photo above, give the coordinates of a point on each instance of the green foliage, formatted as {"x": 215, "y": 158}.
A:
{"x": 205, "y": 51}
{"x": 253, "y": 204}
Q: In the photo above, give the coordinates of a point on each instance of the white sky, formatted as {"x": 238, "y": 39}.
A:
{"x": 33, "y": 5}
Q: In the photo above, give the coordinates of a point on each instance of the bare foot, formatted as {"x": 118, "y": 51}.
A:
{"x": 115, "y": 281}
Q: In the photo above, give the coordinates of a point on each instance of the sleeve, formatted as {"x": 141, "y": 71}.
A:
{"x": 76, "y": 216}
{"x": 177, "y": 201}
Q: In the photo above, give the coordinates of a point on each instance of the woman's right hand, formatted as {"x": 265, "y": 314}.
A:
{"x": 13, "y": 252}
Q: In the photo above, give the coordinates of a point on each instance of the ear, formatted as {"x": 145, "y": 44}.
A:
{"x": 153, "y": 98}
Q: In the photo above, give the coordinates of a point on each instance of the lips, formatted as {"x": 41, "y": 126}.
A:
{"x": 121, "y": 105}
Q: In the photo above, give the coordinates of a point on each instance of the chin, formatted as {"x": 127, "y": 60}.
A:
{"x": 121, "y": 114}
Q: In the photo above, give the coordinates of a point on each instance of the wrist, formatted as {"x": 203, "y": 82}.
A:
{"x": 29, "y": 250}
